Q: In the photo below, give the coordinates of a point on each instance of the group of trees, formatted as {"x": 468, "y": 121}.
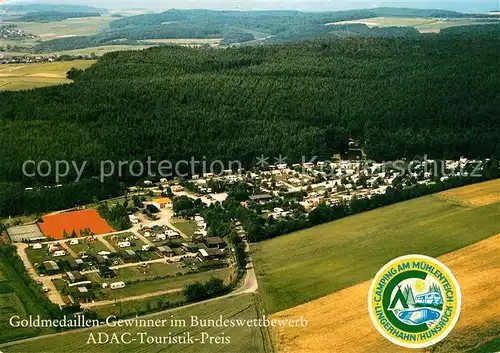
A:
{"x": 16, "y": 199}
{"x": 116, "y": 215}
{"x": 201, "y": 291}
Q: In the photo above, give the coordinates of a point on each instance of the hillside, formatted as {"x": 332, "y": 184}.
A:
{"x": 310, "y": 264}
{"x": 263, "y": 27}
{"x": 398, "y": 97}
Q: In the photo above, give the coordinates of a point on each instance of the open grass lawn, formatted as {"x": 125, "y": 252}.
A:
{"x": 186, "y": 227}
{"x": 16, "y": 298}
{"x": 138, "y": 272}
{"x": 15, "y": 77}
{"x": 122, "y": 237}
{"x": 91, "y": 248}
{"x": 306, "y": 265}
{"x": 135, "y": 307}
{"x": 39, "y": 256}
{"x": 242, "y": 339}
{"x": 177, "y": 282}
{"x": 67, "y": 28}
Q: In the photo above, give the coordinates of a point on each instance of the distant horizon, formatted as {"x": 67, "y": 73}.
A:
{"x": 256, "y": 5}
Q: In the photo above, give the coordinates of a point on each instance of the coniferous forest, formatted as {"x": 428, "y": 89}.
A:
{"x": 398, "y": 97}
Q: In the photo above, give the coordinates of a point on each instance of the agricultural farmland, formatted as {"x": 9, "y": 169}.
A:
{"x": 19, "y": 296}
{"x": 71, "y": 27}
{"x": 242, "y": 339}
{"x": 475, "y": 195}
{"x": 353, "y": 331}
{"x": 423, "y": 25}
{"x": 306, "y": 265}
{"x": 14, "y": 77}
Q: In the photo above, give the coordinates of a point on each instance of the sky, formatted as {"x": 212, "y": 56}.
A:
{"x": 315, "y": 5}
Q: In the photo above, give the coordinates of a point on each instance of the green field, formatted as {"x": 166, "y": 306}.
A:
{"x": 184, "y": 41}
{"x": 177, "y": 282}
{"x": 91, "y": 248}
{"x": 102, "y": 50}
{"x": 14, "y": 77}
{"x": 17, "y": 298}
{"x": 138, "y": 272}
{"x": 242, "y": 339}
{"x": 136, "y": 307}
{"x": 186, "y": 227}
{"x": 40, "y": 255}
{"x": 300, "y": 267}
{"x": 67, "y": 28}
{"x": 122, "y": 237}
{"x": 420, "y": 23}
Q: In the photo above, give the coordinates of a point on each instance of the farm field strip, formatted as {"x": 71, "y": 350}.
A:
{"x": 306, "y": 265}
{"x": 422, "y": 24}
{"x": 475, "y": 195}
{"x": 27, "y": 76}
{"x": 351, "y": 330}
{"x": 66, "y": 28}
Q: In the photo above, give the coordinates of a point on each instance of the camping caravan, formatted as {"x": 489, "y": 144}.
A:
{"x": 117, "y": 285}
{"x": 37, "y": 246}
{"x": 161, "y": 237}
{"x": 59, "y": 253}
{"x": 124, "y": 244}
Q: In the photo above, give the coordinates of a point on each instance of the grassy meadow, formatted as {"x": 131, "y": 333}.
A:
{"x": 242, "y": 339}
{"x": 16, "y": 298}
{"x": 475, "y": 195}
{"x": 478, "y": 329}
{"x": 15, "y": 77}
{"x": 71, "y": 27}
{"x": 309, "y": 264}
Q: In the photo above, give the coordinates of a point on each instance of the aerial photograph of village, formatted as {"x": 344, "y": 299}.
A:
{"x": 213, "y": 176}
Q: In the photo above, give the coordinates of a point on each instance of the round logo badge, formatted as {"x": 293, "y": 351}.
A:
{"x": 414, "y": 301}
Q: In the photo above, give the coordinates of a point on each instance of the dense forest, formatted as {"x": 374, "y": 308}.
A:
{"x": 249, "y": 27}
{"x": 399, "y": 97}
{"x": 53, "y": 16}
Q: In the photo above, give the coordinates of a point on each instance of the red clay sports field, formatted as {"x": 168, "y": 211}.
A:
{"x": 55, "y": 225}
